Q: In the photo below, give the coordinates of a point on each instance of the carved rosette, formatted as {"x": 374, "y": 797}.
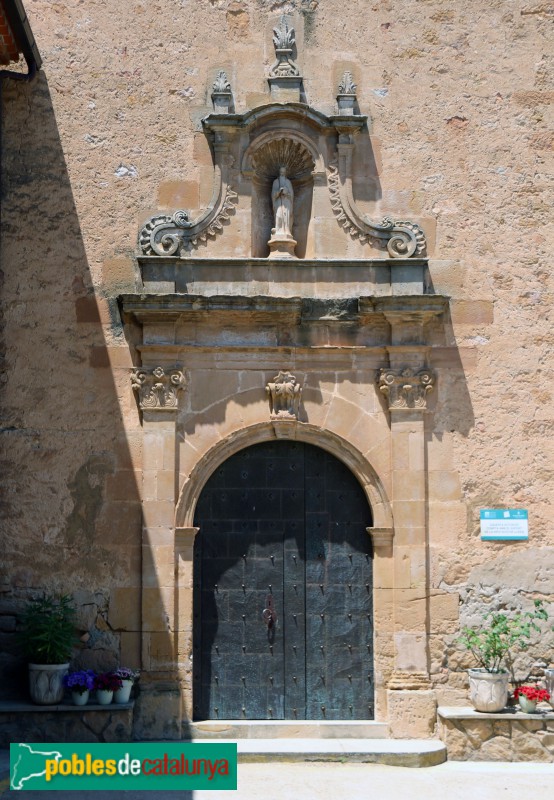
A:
{"x": 284, "y": 393}
{"x": 158, "y": 389}
{"x": 402, "y": 239}
{"x": 406, "y": 389}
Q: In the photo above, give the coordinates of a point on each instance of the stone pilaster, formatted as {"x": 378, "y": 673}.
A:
{"x": 406, "y": 385}
{"x": 158, "y": 390}
{"x": 184, "y": 555}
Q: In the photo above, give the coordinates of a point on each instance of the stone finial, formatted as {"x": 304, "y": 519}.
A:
{"x": 222, "y": 95}
{"x": 283, "y": 41}
{"x": 406, "y": 389}
{"x": 221, "y": 84}
{"x": 158, "y": 388}
{"x": 284, "y": 393}
{"x": 347, "y": 85}
{"x": 346, "y": 97}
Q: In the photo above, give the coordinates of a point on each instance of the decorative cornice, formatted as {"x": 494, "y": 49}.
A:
{"x": 402, "y": 239}
{"x": 284, "y": 396}
{"x": 406, "y": 389}
{"x": 158, "y": 389}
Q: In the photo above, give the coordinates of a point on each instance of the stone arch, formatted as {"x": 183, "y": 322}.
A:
{"x": 262, "y": 432}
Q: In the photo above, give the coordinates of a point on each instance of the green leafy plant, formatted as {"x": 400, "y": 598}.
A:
{"x": 48, "y": 632}
{"x": 493, "y": 643}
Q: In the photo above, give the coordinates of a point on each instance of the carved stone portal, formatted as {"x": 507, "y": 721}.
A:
{"x": 284, "y": 396}
{"x": 406, "y": 389}
{"x": 157, "y": 388}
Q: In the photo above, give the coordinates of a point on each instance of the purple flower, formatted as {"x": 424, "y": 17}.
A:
{"x": 80, "y": 681}
{"x": 127, "y": 674}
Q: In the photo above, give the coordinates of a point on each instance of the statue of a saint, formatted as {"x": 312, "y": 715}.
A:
{"x": 282, "y": 196}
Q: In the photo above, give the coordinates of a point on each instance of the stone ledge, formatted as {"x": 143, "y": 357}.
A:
{"x": 544, "y": 712}
{"x": 26, "y": 722}
{"x": 14, "y": 707}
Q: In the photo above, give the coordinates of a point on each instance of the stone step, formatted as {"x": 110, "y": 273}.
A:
{"x": 392, "y": 752}
{"x": 285, "y": 729}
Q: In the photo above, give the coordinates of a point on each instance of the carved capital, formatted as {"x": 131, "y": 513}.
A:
{"x": 284, "y": 393}
{"x": 381, "y": 538}
{"x": 158, "y": 389}
{"x": 406, "y": 389}
{"x": 408, "y": 680}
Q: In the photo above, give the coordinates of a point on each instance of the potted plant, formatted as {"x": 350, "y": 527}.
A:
{"x": 128, "y": 677}
{"x": 80, "y": 684}
{"x": 106, "y": 684}
{"x": 529, "y": 696}
{"x": 492, "y": 645}
{"x": 47, "y": 636}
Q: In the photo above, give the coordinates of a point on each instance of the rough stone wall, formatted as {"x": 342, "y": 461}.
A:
{"x": 498, "y": 740}
{"x": 461, "y": 138}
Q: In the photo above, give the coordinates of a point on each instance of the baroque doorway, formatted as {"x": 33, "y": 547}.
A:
{"x": 283, "y": 624}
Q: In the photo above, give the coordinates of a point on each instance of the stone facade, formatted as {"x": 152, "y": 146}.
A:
{"x": 144, "y": 323}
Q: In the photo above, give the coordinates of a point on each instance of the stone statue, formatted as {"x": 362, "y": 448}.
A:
{"x": 282, "y": 196}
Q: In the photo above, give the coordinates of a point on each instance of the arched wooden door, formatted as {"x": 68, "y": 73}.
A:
{"x": 283, "y": 624}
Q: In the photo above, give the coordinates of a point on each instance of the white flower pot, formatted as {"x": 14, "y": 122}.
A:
{"x": 80, "y": 698}
{"x": 527, "y": 706}
{"x": 46, "y": 683}
{"x": 104, "y": 697}
{"x": 122, "y": 695}
{"x": 549, "y": 676}
{"x": 488, "y": 691}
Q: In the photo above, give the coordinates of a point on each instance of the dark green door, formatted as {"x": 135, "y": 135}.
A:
{"x": 283, "y": 589}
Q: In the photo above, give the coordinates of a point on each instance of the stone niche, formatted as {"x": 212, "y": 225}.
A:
{"x": 284, "y": 334}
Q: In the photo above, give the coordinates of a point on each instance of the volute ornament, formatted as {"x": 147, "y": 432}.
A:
{"x": 402, "y": 239}
{"x": 158, "y": 389}
{"x": 406, "y": 389}
{"x": 169, "y": 234}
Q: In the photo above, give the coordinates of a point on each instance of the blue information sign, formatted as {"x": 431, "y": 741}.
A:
{"x": 504, "y": 524}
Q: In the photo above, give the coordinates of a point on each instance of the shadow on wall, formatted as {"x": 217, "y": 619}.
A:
{"x": 70, "y": 508}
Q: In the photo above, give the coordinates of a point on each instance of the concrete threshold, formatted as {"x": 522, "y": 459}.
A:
{"x": 392, "y": 752}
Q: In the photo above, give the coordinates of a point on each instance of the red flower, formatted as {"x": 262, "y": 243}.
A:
{"x": 532, "y": 693}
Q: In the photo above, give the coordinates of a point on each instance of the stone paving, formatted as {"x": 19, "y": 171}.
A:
{"x": 311, "y": 781}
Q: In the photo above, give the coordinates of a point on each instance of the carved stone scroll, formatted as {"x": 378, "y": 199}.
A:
{"x": 406, "y": 389}
{"x": 169, "y": 234}
{"x": 402, "y": 239}
{"x": 284, "y": 396}
{"x": 158, "y": 389}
